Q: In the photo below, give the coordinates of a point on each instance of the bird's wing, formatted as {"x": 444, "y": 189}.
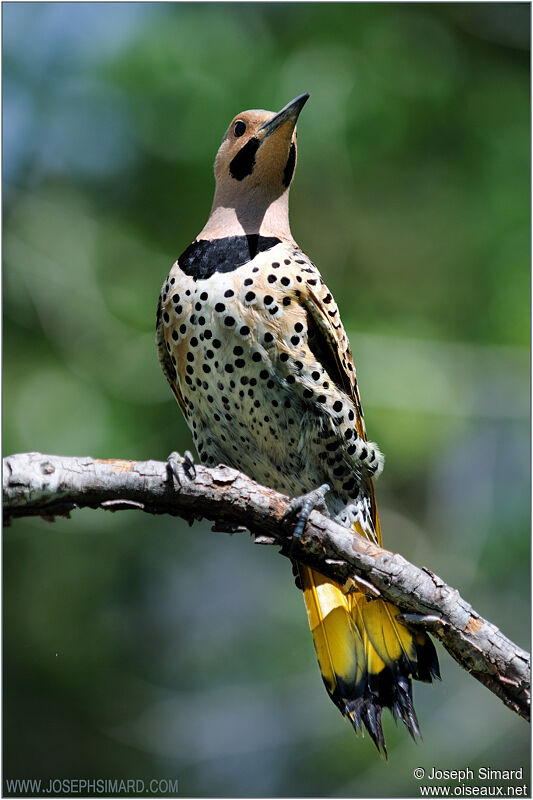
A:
{"x": 165, "y": 359}
{"x": 329, "y": 343}
{"x": 328, "y": 337}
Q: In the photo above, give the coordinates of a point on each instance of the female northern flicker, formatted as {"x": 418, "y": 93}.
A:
{"x": 251, "y": 342}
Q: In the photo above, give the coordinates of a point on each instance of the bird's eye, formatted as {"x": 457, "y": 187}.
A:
{"x": 239, "y": 128}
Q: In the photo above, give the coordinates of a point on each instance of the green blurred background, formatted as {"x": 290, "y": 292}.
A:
{"x": 138, "y": 647}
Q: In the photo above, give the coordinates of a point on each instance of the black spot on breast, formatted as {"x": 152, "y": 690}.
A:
{"x": 289, "y": 166}
{"x": 205, "y": 257}
{"x": 244, "y": 162}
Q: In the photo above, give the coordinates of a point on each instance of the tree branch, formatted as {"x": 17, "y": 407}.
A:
{"x": 46, "y": 486}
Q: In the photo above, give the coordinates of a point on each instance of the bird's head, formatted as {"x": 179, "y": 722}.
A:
{"x": 253, "y": 170}
{"x": 259, "y": 150}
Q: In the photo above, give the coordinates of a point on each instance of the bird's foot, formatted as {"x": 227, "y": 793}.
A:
{"x": 182, "y": 468}
{"x": 301, "y": 507}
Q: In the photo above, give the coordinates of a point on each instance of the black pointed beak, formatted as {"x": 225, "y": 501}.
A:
{"x": 290, "y": 112}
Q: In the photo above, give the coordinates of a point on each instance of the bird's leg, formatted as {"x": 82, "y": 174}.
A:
{"x": 182, "y": 469}
{"x": 301, "y": 507}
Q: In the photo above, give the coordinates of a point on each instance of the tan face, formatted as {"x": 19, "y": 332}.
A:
{"x": 259, "y": 149}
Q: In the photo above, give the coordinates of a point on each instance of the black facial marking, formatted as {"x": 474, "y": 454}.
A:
{"x": 289, "y": 166}
{"x": 203, "y": 258}
{"x": 244, "y": 162}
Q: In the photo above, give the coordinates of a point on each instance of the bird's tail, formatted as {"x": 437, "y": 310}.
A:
{"x": 366, "y": 656}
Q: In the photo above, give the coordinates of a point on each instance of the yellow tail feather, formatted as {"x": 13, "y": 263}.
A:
{"x": 390, "y": 639}
{"x": 337, "y": 641}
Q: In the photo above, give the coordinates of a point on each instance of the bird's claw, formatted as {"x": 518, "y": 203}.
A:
{"x": 301, "y": 507}
{"x": 182, "y": 468}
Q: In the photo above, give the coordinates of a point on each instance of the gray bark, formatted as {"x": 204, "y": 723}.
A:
{"x": 47, "y": 486}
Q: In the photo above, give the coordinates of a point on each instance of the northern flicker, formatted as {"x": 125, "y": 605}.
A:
{"x": 251, "y": 342}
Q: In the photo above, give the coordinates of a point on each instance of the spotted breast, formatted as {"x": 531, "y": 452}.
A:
{"x": 258, "y": 391}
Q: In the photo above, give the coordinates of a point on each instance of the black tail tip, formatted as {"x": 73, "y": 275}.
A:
{"x": 386, "y": 690}
{"x": 365, "y": 713}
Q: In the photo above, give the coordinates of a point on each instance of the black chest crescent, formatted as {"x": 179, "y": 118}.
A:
{"x": 205, "y": 257}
